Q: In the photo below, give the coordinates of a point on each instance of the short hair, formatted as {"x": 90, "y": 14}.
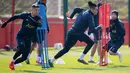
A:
{"x": 91, "y": 5}
{"x": 116, "y": 12}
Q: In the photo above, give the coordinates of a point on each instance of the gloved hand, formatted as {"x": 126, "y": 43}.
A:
{"x": 4, "y": 24}
{"x": 48, "y": 29}
{"x": 99, "y": 27}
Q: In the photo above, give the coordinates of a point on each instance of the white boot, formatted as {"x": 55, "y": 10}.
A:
{"x": 120, "y": 56}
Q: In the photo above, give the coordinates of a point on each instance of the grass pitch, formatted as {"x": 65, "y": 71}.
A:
{"x": 71, "y": 65}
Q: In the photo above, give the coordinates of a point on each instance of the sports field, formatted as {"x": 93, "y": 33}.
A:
{"x": 71, "y": 65}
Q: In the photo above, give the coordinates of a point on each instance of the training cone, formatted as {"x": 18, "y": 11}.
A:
{"x": 60, "y": 61}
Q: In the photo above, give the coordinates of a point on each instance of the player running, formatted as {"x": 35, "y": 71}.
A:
{"x": 97, "y": 37}
{"x": 83, "y": 21}
{"x": 29, "y": 25}
{"x": 117, "y": 33}
{"x": 35, "y": 39}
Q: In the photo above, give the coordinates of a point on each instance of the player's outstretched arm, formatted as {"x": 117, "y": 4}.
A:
{"x": 11, "y": 19}
{"x": 76, "y": 10}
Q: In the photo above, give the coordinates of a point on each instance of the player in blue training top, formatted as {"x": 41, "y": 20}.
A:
{"x": 28, "y": 29}
{"x": 97, "y": 37}
{"x": 84, "y": 20}
{"x": 117, "y": 33}
{"x": 35, "y": 39}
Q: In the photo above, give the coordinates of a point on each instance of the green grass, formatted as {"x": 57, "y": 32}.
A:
{"x": 71, "y": 66}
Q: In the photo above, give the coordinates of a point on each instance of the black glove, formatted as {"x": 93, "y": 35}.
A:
{"x": 107, "y": 30}
{"x": 4, "y": 24}
{"x": 99, "y": 27}
{"x": 48, "y": 29}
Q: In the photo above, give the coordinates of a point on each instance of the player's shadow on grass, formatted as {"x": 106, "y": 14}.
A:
{"x": 87, "y": 69}
{"x": 2, "y": 53}
{"x": 118, "y": 66}
{"x": 30, "y": 71}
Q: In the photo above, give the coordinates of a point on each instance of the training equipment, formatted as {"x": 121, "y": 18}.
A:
{"x": 42, "y": 43}
{"x": 60, "y": 61}
{"x": 42, "y": 35}
{"x": 104, "y": 20}
{"x": 7, "y": 48}
{"x": 58, "y": 46}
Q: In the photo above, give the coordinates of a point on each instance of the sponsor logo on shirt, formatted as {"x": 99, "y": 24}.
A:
{"x": 30, "y": 26}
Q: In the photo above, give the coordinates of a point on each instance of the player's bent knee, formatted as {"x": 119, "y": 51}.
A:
{"x": 24, "y": 57}
{"x": 111, "y": 53}
{"x": 34, "y": 45}
{"x": 21, "y": 46}
{"x": 91, "y": 43}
